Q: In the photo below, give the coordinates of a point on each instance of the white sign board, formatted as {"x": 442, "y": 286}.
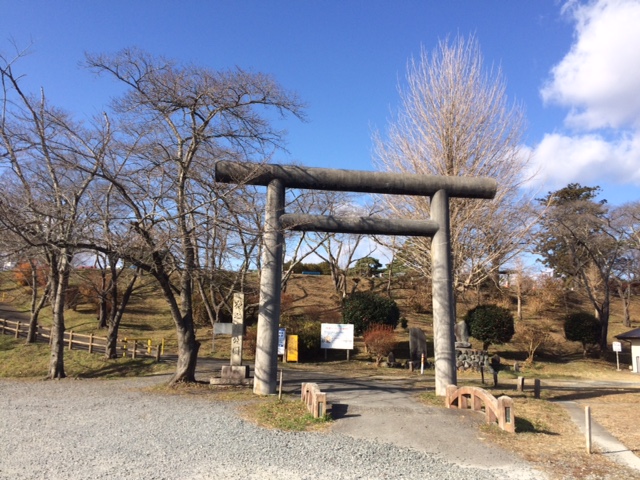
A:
{"x": 282, "y": 337}
{"x": 336, "y": 336}
{"x": 617, "y": 346}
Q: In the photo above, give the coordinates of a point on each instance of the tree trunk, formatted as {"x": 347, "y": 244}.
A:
{"x": 103, "y": 309}
{"x": 604, "y": 323}
{"x": 103, "y": 312}
{"x": 59, "y": 281}
{"x": 35, "y": 312}
{"x": 114, "y": 321}
{"x": 625, "y": 296}
{"x": 188, "y": 348}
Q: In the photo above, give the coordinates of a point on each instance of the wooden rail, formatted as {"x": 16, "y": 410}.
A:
{"x": 498, "y": 410}
{"x": 92, "y": 343}
{"x": 315, "y": 400}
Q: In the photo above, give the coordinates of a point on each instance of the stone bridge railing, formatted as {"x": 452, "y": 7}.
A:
{"x": 314, "y": 399}
{"x": 498, "y": 410}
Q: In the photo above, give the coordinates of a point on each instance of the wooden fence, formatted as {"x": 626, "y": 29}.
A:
{"x": 93, "y": 344}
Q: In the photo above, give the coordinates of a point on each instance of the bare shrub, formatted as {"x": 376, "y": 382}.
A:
{"x": 421, "y": 300}
{"x": 73, "y": 298}
{"x": 533, "y": 337}
{"x": 537, "y": 305}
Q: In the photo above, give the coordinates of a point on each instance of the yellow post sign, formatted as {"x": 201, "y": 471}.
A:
{"x": 292, "y": 348}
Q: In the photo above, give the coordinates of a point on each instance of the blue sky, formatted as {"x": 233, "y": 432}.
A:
{"x": 574, "y": 65}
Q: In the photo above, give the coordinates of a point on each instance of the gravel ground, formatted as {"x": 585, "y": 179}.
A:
{"x": 78, "y": 429}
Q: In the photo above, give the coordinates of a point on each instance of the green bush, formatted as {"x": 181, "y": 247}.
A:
{"x": 364, "y": 309}
{"x": 490, "y": 324}
{"x": 582, "y": 327}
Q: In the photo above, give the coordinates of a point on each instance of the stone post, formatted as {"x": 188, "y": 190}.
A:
{"x": 266, "y": 363}
{"x": 443, "y": 300}
{"x": 237, "y": 329}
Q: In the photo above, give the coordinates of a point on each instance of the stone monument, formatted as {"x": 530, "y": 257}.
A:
{"x": 235, "y": 373}
{"x": 462, "y": 335}
{"x": 417, "y": 346}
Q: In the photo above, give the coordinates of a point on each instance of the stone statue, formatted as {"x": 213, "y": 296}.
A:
{"x": 462, "y": 335}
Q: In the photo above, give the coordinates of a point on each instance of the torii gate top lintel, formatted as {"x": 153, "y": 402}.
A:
{"x": 293, "y": 176}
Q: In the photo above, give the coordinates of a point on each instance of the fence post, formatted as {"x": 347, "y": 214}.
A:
{"x": 124, "y": 347}
{"x": 135, "y": 347}
{"x": 70, "y": 339}
{"x": 149, "y": 347}
{"x": 587, "y": 430}
{"x": 163, "y": 346}
{"x": 91, "y": 343}
{"x": 158, "y": 353}
{"x": 3, "y": 324}
{"x": 536, "y": 388}
{"x": 18, "y": 330}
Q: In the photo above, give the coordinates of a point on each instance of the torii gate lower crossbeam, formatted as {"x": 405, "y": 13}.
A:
{"x": 279, "y": 177}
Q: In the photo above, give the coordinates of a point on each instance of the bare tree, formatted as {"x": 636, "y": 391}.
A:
{"x": 454, "y": 120}
{"x": 301, "y": 245}
{"x": 177, "y": 122}
{"x": 626, "y": 221}
{"x": 51, "y": 161}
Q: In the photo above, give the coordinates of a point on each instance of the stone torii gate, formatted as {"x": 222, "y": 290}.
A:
{"x": 278, "y": 177}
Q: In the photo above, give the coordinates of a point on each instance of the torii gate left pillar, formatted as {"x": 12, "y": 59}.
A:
{"x": 266, "y": 363}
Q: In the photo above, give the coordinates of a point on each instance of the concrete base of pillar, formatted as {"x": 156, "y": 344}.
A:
{"x": 233, "y": 375}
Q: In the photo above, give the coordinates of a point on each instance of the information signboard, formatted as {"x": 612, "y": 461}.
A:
{"x": 617, "y": 346}
{"x": 292, "y": 348}
{"x": 282, "y": 337}
{"x": 336, "y": 336}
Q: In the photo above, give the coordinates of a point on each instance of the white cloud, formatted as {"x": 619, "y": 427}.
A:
{"x": 599, "y": 79}
{"x": 587, "y": 159}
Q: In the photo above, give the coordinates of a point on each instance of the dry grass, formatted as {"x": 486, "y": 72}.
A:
{"x": 617, "y": 412}
{"x": 546, "y": 436}
{"x": 287, "y": 413}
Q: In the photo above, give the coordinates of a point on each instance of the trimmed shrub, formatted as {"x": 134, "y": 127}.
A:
{"x": 490, "y": 324}
{"x": 582, "y": 327}
{"x": 379, "y": 340}
{"x": 364, "y": 309}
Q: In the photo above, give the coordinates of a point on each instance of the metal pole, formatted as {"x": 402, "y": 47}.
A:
{"x": 266, "y": 366}
{"x": 443, "y": 301}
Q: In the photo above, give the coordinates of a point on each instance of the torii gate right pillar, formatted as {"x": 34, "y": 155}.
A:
{"x": 443, "y": 300}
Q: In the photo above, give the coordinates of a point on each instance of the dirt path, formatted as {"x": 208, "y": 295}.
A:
{"x": 8, "y": 312}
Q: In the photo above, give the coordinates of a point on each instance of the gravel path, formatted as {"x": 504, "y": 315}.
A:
{"x": 99, "y": 429}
